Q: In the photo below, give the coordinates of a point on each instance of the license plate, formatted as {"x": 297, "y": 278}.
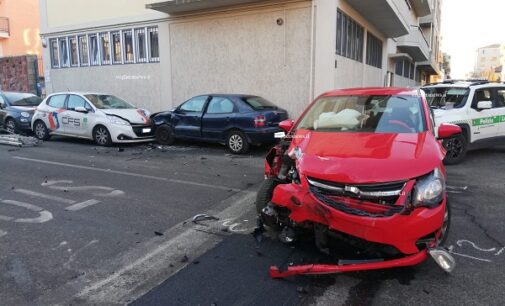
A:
{"x": 147, "y": 130}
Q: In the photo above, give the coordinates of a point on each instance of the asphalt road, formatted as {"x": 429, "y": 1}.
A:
{"x": 104, "y": 226}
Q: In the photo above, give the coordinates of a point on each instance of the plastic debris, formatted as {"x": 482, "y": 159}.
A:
{"x": 19, "y": 140}
{"x": 203, "y": 217}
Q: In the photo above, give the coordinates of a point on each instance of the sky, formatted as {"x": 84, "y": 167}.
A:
{"x": 468, "y": 25}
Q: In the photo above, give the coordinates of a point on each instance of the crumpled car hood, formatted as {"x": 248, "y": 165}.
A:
{"x": 135, "y": 116}
{"x": 361, "y": 158}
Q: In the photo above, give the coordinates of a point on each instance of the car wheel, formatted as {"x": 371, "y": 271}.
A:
{"x": 165, "y": 135}
{"x": 101, "y": 136}
{"x": 456, "y": 148}
{"x": 41, "y": 131}
{"x": 10, "y": 126}
{"x": 444, "y": 231}
{"x": 237, "y": 142}
{"x": 265, "y": 193}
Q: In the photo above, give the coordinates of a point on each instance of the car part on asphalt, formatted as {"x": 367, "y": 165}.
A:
{"x": 360, "y": 168}
{"x": 18, "y": 140}
{"x": 203, "y": 217}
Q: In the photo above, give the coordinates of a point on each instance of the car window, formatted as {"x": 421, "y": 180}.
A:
{"x": 2, "y": 101}
{"x": 258, "y": 103}
{"x": 108, "y": 102}
{"x": 57, "y": 101}
{"x": 220, "y": 105}
{"x": 76, "y": 101}
{"x": 194, "y": 105}
{"x": 22, "y": 99}
{"x": 481, "y": 95}
{"x": 500, "y": 97}
{"x": 446, "y": 97}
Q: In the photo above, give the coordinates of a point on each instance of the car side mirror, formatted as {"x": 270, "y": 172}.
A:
{"x": 446, "y": 130}
{"x": 81, "y": 109}
{"x": 484, "y": 105}
{"x": 287, "y": 125}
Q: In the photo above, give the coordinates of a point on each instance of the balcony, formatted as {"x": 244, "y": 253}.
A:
{"x": 426, "y": 21}
{"x": 4, "y": 27}
{"x": 415, "y": 44}
{"x": 185, "y": 6}
{"x": 431, "y": 66}
{"x": 422, "y": 7}
{"x": 388, "y": 16}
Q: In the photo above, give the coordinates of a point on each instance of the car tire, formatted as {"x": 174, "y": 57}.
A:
{"x": 101, "y": 136}
{"x": 265, "y": 193}
{"x": 165, "y": 135}
{"x": 237, "y": 143}
{"x": 456, "y": 148}
{"x": 40, "y": 130}
{"x": 11, "y": 126}
{"x": 446, "y": 225}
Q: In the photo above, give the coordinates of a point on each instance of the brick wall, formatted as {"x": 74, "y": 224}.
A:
{"x": 17, "y": 73}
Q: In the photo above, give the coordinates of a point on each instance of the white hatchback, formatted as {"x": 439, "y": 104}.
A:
{"x": 104, "y": 118}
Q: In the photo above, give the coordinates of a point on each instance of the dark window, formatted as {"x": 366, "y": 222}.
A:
{"x": 95, "y": 52}
{"x": 116, "y": 48}
{"x": 76, "y": 101}
{"x": 399, "y": 67}
{"x": 258, "y": 103}
{"x": 412, "y": 70}
{"x": 481, "y": 95}
{"x": 64, "y": 53}
{"x": 349, "y": 37}
{"x": 373, "y": 51}
{"x": 105, "y": 48}
{"x": 83, "y": 50}
{"x": 154, "y": 51}
{"x": 194, "y": 105}
{"x": 74, "y": 60}
{"x": 128, "y": 46}
{"x": 406, "y": 68}
{"x": 140, "y": 45}
{"x": 57, "y": 101}
{"x": 220, "y": 105}
{"x": 500, "y": 97}
{"x": 22, "y": 99}
{"x": 55, "y": 58}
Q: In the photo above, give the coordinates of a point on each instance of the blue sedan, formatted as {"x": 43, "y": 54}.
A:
{"x": 237, "y": 121}
{"x": 16, "y": 110}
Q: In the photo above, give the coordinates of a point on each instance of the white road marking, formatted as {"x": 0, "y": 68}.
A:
{"x": 43, "y": 217}
{"x": 44, "y": 196}
{"x": 2, "y": 233}
{"x": 82, "y": 205}
{"x": 157, "y": 178}
{"x": 110, "y": 192}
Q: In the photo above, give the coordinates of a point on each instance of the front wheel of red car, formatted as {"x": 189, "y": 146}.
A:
{"x": 265, "y": 193}
{"x": 456, "y": 148}
{"x": 444, "y": 231}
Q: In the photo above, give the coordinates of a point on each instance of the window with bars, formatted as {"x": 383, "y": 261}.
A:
{"x": 65, "y": 62}
{"x": 83, "y": 51}
{"x": 55, "y": 57}
{"x": 141, "y": 45}
{"x": 405, "y": 68}
{"x": 350, "y": 37}
{"x": 94, "y": 51}
{"x": 128, "y": 47}
{"x": 373, "y": 51}
{"x": 154, "y": 51}
{"x": 117, "y": 55}
{"x": 74, "y": 59}
{"x": 105, "y": 48}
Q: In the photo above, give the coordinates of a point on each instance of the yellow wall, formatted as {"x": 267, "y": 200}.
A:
{"x": 24, "y": 22}
{"x": 62, "y": 13}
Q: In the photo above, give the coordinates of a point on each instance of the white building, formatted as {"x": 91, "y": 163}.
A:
{"x": 159, "y": 53}
{"x": 488, "y": 59}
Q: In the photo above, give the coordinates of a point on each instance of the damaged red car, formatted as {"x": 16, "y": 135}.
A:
{"x": 361, "y": 167}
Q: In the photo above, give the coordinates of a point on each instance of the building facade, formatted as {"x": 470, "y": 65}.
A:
{"x": 489, "y": 62}
{"x": 157, "y": 54}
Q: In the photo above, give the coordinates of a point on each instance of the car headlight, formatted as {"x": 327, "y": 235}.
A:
{"x": 429, "y": 191}
{"x": 25, "y": 114}
{"x": 117, "y": 120}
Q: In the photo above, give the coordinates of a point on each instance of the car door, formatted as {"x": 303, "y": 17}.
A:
{"x": 54, "y": 113}
{"x": 483, "y": 120}
{"x": 500, "y": 110}
{"x": 218, "y": 117}
{"x": 187, "y": 119}
{"x": 76, "y": 123}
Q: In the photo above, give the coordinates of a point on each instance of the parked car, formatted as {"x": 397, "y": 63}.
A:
{"x": 477, "y": 106}
{"x": 16, "y": 110}
{"x": 237, "y": 121}
{"x": 104, "y": 118}
{"x": 361, "y": 168}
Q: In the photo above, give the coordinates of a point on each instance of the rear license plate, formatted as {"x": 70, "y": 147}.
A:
{"x": 147, "y": 130}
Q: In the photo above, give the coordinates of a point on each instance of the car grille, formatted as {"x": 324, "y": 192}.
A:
{"x": 137, "y": 129}
{"x": 385, "y": 195}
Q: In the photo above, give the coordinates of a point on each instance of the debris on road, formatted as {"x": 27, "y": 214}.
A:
{"x": 18, "y": 140}
{"x": 203, "y": 217}
{"x": 158, "y": 233}
{"x": 184, "y": 259}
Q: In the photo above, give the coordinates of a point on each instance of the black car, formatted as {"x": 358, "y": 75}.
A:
{"x": 237, "y": 121}
{"x": 16, "y": 110}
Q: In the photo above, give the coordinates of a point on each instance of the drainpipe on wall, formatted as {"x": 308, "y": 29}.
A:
{"x": 312, "y": 46}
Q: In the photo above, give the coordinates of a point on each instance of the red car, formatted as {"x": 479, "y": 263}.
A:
{"x": 361, "y": 167}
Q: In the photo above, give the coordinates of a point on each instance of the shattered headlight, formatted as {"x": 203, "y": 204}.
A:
{"x": 429, "y": 191}
{"x": 117, "y": 120}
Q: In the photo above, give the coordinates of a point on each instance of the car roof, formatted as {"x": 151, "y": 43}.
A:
{"x": 373, "y": 91}
{"x": 82, "y": 93}
{"x": 465, "y": 84}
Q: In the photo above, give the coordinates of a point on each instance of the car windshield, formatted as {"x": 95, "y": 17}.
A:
{"x": 371, "y": 114}
{"x": 22, "y": 99}
{"x": 108, "y": 102}
{"x": 258, "y": 103}
{"x": 446, "y": 97}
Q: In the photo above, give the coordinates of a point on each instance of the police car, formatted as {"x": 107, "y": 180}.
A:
{"x": 477, "y": 106}
{"x": 104, "y": 118}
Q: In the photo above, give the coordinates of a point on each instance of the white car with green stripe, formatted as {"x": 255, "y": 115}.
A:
{"x": 478, "y": 107}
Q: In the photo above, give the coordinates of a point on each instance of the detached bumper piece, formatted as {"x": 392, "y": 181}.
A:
{"x": 319, "y": 269}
